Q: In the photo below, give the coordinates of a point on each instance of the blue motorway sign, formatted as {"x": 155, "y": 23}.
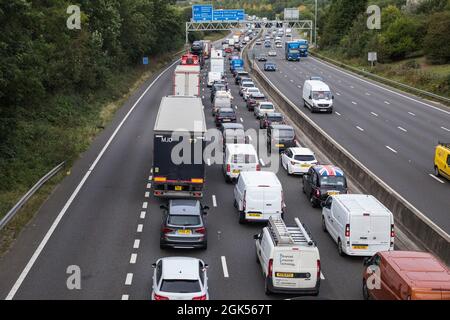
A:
{"x": 229, "y": 15}
{"x": 202, "y": 13}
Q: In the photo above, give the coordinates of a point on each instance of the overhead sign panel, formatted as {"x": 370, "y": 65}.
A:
{"x": 291, "y": 14}
{"x": 202, "y": 13}
{"x": 229, "y": 15}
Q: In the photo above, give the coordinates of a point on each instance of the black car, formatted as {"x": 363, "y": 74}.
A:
{"x": 269, "y": 119}
{"x": 217, "y": 87}
{"x": 323, "y": 181}
{"x": 225, "y": 115}
{"x": 254, "y": 99}
{"x": 269, "y": 66}
{"x": 280, "y": 137}
{"x": 184, "y": 224}
{"x": 241, "y": 74}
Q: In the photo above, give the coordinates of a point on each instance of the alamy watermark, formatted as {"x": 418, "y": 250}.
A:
{"x": 73, "y": 282}
{"x": 374, "y": 19}
{"x": 74, "y": 20}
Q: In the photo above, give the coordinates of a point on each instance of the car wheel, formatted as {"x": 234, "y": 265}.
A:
{"x": 436, "y": 171}
{"x": 266, "y": 287}
{"x": 303, "y": 187}
{"x": 313, "y": 201}
{"x": 340, "y": 250}
{"x": 205, "y": 246}
{"x": 241, "y": 217}
{"x": 257, "y": 258}
{"x": 365, "y": 291}
{"x": 162, "y": 246}
{"x": 324, "y": 226}
{"x": 235, "y": 203}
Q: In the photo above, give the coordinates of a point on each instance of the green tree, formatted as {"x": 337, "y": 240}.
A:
{"x": 437, "y": 40}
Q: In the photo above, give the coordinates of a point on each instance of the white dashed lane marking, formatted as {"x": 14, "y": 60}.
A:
{"x": 374, "y": 114}
{"x": 393, "y": 150}
{"x": 129, "y": 279}
{"x": 402, "y": 129}
{"x": 444, "y": 128}
{"x": 140, "y": 227}
{"x": 224, "y": 267}
{"x": 145, "y": 205}
{"x": 214, "y": 200}
{"x": 133, "y": 258}
{"x": 436, "y": 178}
{"x": 125, "y": 297}
{"x": 136, "y": 244}
{"x": 359, "y": 128}
{"x": 143, "y": 214}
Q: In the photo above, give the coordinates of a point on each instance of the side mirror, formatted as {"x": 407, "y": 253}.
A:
{"x": 205, "y": 208}
{"x": 153, "y": 265}
{"x": 310, "y": 98}
{"x": 332, "y": 97}
{"x": 163, "y": 207}
{"x": 205, "y": 266}
{"x": 322, "y": 204}
{"x": 257, "y": 237}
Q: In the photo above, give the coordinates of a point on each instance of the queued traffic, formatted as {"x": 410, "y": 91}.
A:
{"x": 288, "y": 255}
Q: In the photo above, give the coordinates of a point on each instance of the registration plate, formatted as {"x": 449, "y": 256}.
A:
{"x": 360, "y": 247}
{"x": 184, "y": 232}
{"x": 236, "y": 171}
{"x": 280, "y": 145}
{"x": 284, "y": 275}
{"x": 332, "y": 193}
{"x": 255, "y": 215}
{"x": 178, "y": 188}
{"x": 226, "y": 120}
{"x": 306, "y": 166}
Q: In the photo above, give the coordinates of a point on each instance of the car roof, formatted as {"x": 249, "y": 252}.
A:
{"x": 184, "y": 206}
{"x": 422, "y": 269}
{"x": 180, "y": 268}
{"x": 226, "y": 110}
{"x": 242, "y": 148}
{"x": 328, "y": 171}
{"x": 229, "y": 126}
{"x": 282, "y": 127}
{"x": 301, "y": 151}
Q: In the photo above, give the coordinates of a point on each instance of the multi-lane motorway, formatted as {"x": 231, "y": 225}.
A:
{"x": 103, "y": 219}
{"x": 391, "y": 133}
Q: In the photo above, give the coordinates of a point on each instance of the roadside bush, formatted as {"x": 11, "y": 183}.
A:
{"x": 437, "y": 40}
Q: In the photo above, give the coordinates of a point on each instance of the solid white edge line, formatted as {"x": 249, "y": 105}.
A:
{"x": 383, "y": 88}
{"x": 436, "y": 178}
{"x": 224, "y": 267}
{"x": 61, "y": 214}
{"x": 214, "y": 200}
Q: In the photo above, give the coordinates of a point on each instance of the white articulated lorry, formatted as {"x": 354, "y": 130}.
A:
{"x": 186, "y": 81}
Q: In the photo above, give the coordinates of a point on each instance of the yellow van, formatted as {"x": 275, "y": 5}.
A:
{"x": 442, "y": 160}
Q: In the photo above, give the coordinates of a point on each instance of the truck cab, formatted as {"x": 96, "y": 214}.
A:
{"x": 292, "y": 50}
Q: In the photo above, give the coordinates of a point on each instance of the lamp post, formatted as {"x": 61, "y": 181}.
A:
{"x": 315, "y": 27}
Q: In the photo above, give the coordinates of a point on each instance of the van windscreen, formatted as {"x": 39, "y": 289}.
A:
{"x": 243, "y": 158}
{"x": 322, "y": 95}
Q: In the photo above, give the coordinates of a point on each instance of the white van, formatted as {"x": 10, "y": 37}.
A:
{"x": 289, "y": 258}
{"x": 258, "y": 196}
{"x": 317, "y": 96}
{"x": 213, "y": 76}
{"x": 239, "y": 158}
{"x": 360, "y": 224}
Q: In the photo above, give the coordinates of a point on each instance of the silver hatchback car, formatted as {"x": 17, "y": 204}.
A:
{"x": 184, "y": 224}
{"x": 180, "y": 278}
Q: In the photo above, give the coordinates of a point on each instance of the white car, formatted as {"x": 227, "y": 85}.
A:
{"x": 279, "y": 45}
{"x": 239, "y": 158}
{"x": 245, "y": 85}
{"x": 250, "y": 91}
{"x": 180, "y": 278}
{"x": 272, "y": 53}
{"x": 262, "y": 108}
{"x": 298, "y": 160}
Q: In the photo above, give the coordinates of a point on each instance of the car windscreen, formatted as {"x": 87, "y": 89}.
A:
{"x": 304, "y": 157}
{"x": 330, "y": 181}
{"x": 226, "y": 114}
{"x": 284, "y": 133}
{"x": 248, "y": 84}
{"x": 266, "y": 107}
{"x": 243, "y": 158}
{"x": 274, "y": 118}
{"x": 322, "y": 95}
{"x": 183, "y": 220}
{"x": 219, "y": 87}
{"x": 222, "y": 103}
{"x": 180, "y": 286}
{"x": 253, "y": 90}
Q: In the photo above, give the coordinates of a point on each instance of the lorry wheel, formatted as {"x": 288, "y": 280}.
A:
{"x": 324, "y": 226}
{"x": 340, "y": 250}
{"x": 436, "y": 171}
{"x": 241, "y": 217}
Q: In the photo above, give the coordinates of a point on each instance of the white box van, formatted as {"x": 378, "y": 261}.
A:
{"x": 239, "y": 158}
{"x": 317, "y": 96}
{"x": 360, "y": 224}
{"x": 217, "y": 65}
{"x": 213, "y": 76}
{"x": 289, "y": 258}
{"x": 258, "y": 196}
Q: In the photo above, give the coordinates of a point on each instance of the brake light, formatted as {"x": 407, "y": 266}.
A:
{"x": 270, "y": 268}
{"x": 317, "y": 193}
{"x": 160, "y": 179}
{"x": 258, "y": 167}
{"x": 228, "y": 168}
{"x": 201, "y": 230}
{"x": 203, "y": 297}
{"x": 158, "y": 297}
{"x": 167, "y": 230}
{"x": 244, "y": 202}
{"x": 392, "y": 231}
{"x": 347, "y": 230}
{"x": 197, "y": 180}
{"x": 318, "y": 269}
